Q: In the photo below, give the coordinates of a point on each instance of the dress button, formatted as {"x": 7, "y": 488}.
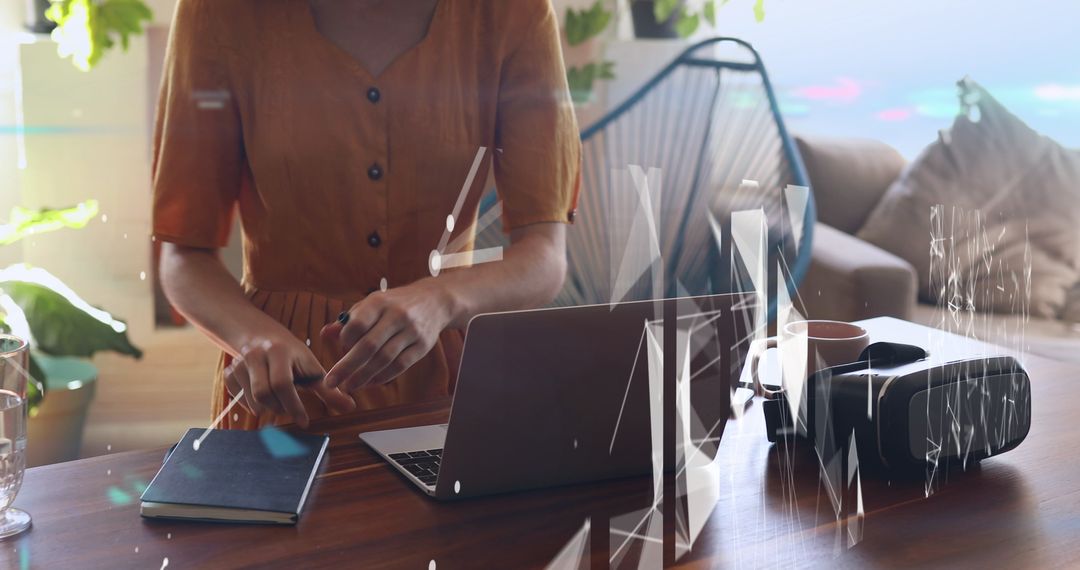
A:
{"x": 374, "y": 240}
{"x": 374, "y": 95}
{"x": 375, "y": 172}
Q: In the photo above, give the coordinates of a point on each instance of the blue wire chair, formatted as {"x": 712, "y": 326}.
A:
{"x": 708, "y": 124}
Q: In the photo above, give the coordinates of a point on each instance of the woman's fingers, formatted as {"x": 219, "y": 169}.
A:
{"x": 403, "y": 362}
{"x": 331, "y": 339}
{"x": 361, "y": 352}
{"x": 335, "y": 400}
{"x": 382, "y": 358}
{"x": 281, "y": 383}
{"x": 243, "y": 379}
{"x": 261, "y": 391}
{"x": 359, "y": 320}
{"x": 235, "y": 385}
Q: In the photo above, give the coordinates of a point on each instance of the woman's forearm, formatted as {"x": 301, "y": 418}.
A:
{"x": 530, "y": 274}
{"x": 202, "y": 289}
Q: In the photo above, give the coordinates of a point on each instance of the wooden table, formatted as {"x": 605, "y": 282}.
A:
{"x": 1020, "y": 510}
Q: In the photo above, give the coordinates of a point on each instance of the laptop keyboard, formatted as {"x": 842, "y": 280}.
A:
{"x": 424, "y": 465}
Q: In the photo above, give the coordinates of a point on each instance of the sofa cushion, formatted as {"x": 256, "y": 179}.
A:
{"x": 984, "y": 209}
{"x": 848, "y": 176}
{"x": 1071, "y": 313}
{"x": 851, "y": 280}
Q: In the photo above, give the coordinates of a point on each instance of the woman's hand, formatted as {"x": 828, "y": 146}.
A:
{"x": 268, "y": 369}
{"x": 389, "y": 331}
{"x": 386, "y": 333}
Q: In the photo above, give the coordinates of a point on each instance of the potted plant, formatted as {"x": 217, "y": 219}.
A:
{"x": 63, "y": 331}
{"x": 581, "y": 51}
{"x": 35, "y": 17}
{"x": 668, "y": 19}
{"x": 87, "y": 29}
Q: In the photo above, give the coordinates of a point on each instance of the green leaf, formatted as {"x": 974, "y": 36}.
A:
{"x": 61, "y": 323}
{"x": 759, "y": 11}
{"x": 23, "y": 222}
{"x": 607, "y": 70}
{"x": 709, "y": 12}
{"x": 687, "y": 24}
{"x": 664, "y": 10}
{"x": 574, "y": 27}
{"x": 599, "y": 18}
{"x": 582, "y": 79}
{"x": 583, "y": 25}
{"x": 86, "y": 29}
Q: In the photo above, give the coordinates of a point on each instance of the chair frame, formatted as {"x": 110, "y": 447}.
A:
{"x": 798, "y": 169}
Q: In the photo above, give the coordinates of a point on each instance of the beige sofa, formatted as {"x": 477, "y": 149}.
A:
{"x": 850, "y": 279}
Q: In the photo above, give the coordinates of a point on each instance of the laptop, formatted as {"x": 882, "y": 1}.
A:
{"x": 559, "y": 396}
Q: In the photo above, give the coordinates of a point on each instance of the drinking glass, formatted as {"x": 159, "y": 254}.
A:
{"x": 14, "y": 363}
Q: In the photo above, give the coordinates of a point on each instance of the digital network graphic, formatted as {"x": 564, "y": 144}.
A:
{"x": 708, "y": 483}
{"x": 450, "y": 254}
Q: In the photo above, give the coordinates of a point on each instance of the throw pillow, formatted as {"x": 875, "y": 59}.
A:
{"x": 989, "y": 214}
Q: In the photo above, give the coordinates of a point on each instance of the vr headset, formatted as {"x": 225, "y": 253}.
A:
{"x": 907, "y": 414}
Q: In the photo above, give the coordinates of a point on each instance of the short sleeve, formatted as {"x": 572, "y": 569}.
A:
{"x": 538, "y": 147}
{"x": 198, "y": 146}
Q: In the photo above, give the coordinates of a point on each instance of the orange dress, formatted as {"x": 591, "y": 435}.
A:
{"x": 342, "y": 178}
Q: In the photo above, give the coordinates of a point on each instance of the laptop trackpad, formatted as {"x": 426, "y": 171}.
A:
{"x": 406, "y": 439}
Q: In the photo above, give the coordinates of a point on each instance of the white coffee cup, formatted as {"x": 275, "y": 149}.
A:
{"x": 827, "y": 343}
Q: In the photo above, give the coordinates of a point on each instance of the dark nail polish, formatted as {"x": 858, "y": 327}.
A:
{"x": 343, "y": 318}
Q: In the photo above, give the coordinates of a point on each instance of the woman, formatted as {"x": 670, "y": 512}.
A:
{"x": 342, "y": 131}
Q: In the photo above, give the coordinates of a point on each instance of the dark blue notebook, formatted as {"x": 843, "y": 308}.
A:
{"x": 236, "y": 476}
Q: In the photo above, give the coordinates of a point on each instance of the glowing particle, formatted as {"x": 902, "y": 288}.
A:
{"x": 108, "y": 447}
{"x": 142, "y": 276}
{"x": 118, "y": 496}
{"x": 435, "y": 262}
{"x": 280, "y": 444}
{"x": 307, "y": 342}
{"x": 168, "y": 536}
{"x": 450, "y": 223}
{"x": 164, "y": 563}
{"x": 235, "y": 417}
{"x": 895, "y": 115}
{"x": 383, "y": 285}
{"x": 125, "y": 235}
{"x": 108, "y": 472}
{"x": 136, "y": 550}
{"x": 153, "y": 238}
{"x": 1056, "y": 92}
{"x": 104, "y": 218}
{"x": 457, "y": 487}
{"x": 431, "y": 565}
{"x": 575, "y": 443}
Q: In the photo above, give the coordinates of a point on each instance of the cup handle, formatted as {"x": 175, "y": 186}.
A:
{"x": 757, "y": 350}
